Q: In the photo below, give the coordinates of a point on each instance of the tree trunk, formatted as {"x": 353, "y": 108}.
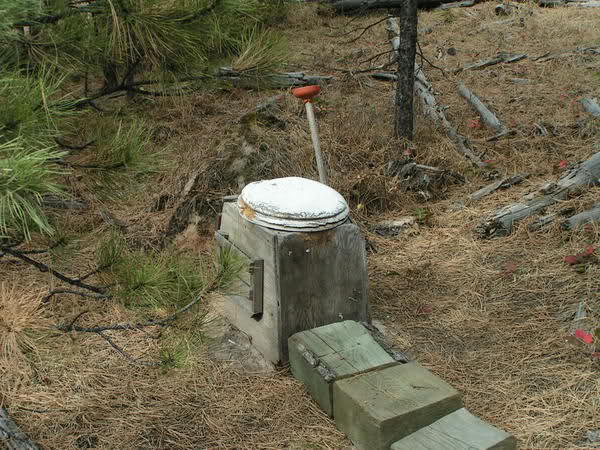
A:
{"x": 404, "y": 117}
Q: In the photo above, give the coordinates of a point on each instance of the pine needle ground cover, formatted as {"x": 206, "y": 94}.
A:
{"x": 492, "y": 317}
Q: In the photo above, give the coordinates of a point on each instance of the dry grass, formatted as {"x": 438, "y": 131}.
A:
{"x": 490, "y": 317}
{"x": 21, "y": 318}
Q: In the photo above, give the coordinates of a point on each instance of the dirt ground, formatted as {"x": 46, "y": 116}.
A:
{"x": 491, "y": 317}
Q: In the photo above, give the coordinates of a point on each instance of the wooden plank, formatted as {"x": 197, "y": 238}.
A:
{"x": 259, "y": 243}
{"x": 320, "y": 356}
{"x": 459, "y": 430}
{"x": 378, "y": 408}
{"x": 322, "y": 279}
{"x": 12, "y": 435}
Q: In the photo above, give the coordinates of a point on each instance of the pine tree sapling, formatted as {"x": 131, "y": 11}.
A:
{"x": 25, "y": 176}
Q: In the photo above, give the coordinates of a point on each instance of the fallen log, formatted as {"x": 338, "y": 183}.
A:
{"x": 431, "y": 107}
{"x": 547, "y": 219}
{"x": 357, "y": 6}
{"x": 463, "y": 4}
{"x": 280, "y": 80}
{"x": 584, "y": 5}
{"x": 503, "y": 183}
{"x": 575, "y": 180}
{"x": 54, "y": 201}
{"x": 583, "y": 218}
{"x": 591, "y": 106}
{"x": 488, "y": 117}
{"x": 436, "y": 113}
{"x": 578, "y": 51}
{"x": 501, "y": 57}
{"x": 12, "y": 435}
{"x": 551, "y": 3}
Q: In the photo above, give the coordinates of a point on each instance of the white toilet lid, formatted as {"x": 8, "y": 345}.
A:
{"x": 292, "y": 204}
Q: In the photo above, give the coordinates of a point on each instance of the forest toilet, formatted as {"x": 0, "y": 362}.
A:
{"x": 305, "y": 261}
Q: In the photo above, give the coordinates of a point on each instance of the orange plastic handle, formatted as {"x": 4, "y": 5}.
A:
{"x": 306, "y": 92}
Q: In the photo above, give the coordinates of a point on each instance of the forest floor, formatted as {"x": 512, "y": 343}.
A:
{"x": 491, "y": 317}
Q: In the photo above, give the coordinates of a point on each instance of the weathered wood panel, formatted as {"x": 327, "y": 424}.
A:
{"x": 259, "y": 243}
{"x": 323, "y": 279}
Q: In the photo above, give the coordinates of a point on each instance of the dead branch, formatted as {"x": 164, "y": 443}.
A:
{"x": 362, "y": 30}
{"x": 578, "y": 51}
{"x": 125, "y": 355}
{"x": 137, "y": 326}
{"x": 503, "y": 183}
{"x": 498, "y": 59}
{"x": 362, "y": 6}
{"x": 249, "y": 79}
{"x": 585, "y": 4}
{"x": 12, "y": 435}
{"x": 585, "y": 217}
{"x": 488, "y": 117}
{"x": 53, "y": 201}
{"x": 435, "y": 112}
{"x": 591, "y": 106}
{"x": 44, "y": 268}
{"x": 51, "y": 294}
{"x": 573, "y": 182}
{"x": 462, "y": 4}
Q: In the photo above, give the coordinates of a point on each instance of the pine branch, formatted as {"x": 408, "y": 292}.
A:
{"x": 137, "y": 326}
{"x": 44, "y": 268}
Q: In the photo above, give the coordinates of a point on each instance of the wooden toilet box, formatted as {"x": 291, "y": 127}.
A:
{"x": 304, "y": 261}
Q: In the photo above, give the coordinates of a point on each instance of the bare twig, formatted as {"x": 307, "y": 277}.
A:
{"x": 378, "y": 55}
{"x": 125, "y": 355}
{"x": 69, "y": 291}
{"x": 136, "y": 326}
{"x": 364, "y": 30}
{"x": 44, "y": 268}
